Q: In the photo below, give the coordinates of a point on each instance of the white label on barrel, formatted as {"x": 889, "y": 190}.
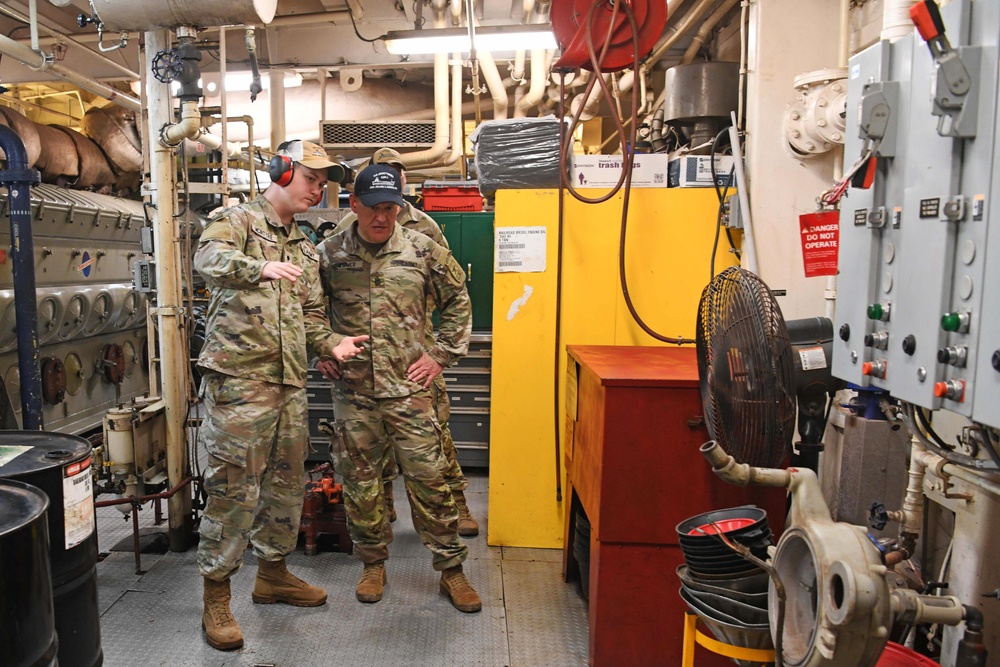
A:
{"x": 78, "y": 502}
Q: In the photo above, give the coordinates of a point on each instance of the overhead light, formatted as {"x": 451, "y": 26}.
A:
{"x": 241, "y": 80}
{"x": 456, "y": 40}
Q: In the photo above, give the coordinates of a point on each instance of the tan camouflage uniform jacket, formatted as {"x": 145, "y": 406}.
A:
{"x": 261, "y": 330}
{"x": 386, "y": 297}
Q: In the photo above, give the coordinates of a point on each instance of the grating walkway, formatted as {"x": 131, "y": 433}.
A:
{"x": 530, "y": 617}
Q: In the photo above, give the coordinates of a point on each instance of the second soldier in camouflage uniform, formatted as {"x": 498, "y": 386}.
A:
{"x": 414, "y": 219}
{"x": 265, "y": 310}
{"x": 379, "y": 277}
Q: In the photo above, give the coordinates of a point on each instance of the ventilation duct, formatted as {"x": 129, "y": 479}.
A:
{"x": 356, "y": 134}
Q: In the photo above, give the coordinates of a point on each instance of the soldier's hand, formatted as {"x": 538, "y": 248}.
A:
{"x": 424, "y": 370}
{"x": 329, "y": 368}
{"x": 350, "y": 347}
{"x": 279, "y": 270}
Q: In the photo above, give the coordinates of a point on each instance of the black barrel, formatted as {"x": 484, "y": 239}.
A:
{"x": 59, "y": 465}
{"x": 27, "y": 623}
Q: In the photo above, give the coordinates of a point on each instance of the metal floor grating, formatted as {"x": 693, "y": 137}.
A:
{"x": 530, "y": 618}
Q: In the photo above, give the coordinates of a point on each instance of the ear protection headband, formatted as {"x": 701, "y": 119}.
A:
{"x": 281, "y": 168}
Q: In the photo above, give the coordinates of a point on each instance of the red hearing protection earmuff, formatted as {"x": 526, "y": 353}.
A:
{"x": 281, "y": 169}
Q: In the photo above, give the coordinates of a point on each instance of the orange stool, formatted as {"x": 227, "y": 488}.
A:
{"x": 692, "y": 636}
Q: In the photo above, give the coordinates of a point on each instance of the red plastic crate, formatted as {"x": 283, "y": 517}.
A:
{"x": 452, "y": 196}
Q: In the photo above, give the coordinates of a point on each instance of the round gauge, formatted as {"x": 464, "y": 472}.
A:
{"x": 131, "y": 357}
{"x": 8, "y": 327}
{"x": 53, "y": 380}
{"x": 130, "y": 311}
{"x": 74, "y": 317}
{"x": 74, "y": 373}
{"x": 113, "y": 362}
{"x": 12, "y": 380}
{"x": 49, "y": 318}
{"x": 100, "y": 312}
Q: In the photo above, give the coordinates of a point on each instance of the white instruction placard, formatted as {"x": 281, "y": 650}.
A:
{"x": 519, "y": 250}
{"x": 78, "y": 502}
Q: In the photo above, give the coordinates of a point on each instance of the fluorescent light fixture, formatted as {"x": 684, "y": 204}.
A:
{"x": 456, "y": 40}
{"x": 236, "y": 81}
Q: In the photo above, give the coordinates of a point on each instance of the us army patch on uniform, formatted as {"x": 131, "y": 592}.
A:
{"x": 264, "y": 234}
{"x": 309, "y": 252}
{"x": 455, "y": 272}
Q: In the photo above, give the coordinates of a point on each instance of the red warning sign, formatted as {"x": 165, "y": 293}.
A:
{"x": 820, "y": 236}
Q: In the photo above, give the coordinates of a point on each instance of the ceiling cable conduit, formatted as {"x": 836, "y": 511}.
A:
{"x": 39, "y": 63}
{"x": 60, "y": 37}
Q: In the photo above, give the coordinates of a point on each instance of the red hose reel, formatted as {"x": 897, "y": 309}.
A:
{"x": 569, "y": 23}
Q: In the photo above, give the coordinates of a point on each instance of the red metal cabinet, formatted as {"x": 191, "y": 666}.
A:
{"x": 634, "y": 425}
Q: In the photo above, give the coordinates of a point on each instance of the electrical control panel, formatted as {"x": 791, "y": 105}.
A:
{"x": 919, "y": 279}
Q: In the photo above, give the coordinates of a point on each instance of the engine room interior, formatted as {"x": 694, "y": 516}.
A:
{"x": 665, "y": 326}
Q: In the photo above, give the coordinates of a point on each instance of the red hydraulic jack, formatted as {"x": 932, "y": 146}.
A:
{"x": 323, "y": 511}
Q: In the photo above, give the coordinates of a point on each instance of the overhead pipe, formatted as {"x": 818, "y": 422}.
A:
{"x": 686, "y": 23}
{"x": 456, "y": 12}
{"x": 169, "y": 312}
{"x": 77, "y": 41}
{"x": 589, "y": 107}
{"x": 706, "y": 29}
{"x": 488, "y": 68}
{"x": 539, "y": 75}
{"x": 18, "y": 177}
{"x": 440, "y": 146}
{"x": 40, "y": 63}
{"x": 456, "y": 111}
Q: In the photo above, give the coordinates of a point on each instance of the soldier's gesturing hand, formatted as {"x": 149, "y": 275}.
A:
{"x": 279, "y": 270}
{"x": 424, "y": 370}
{"x": 350, "y": 347}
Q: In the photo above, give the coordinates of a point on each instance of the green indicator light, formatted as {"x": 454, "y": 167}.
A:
{"x": 875, "y": 311}
{"x": 950, "y": 321}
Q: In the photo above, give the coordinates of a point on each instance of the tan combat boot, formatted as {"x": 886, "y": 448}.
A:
{"x": 458, "y": 589}
{"x": 467, "y": 526}
{"x": 372, "y": 583}
{"x": 221, "y": 629}
{"x": 276, "y": 584}
{"x": 390, "y": 505}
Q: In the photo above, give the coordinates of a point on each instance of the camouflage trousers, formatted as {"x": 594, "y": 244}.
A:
{"x": 256, "y": 435}
{"x": 365, "y": 427}
{"x": 453, "y": 471}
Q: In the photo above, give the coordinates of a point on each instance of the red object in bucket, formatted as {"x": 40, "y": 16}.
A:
{"x": 900, "y": 656}
{"x": 726, "y": 526}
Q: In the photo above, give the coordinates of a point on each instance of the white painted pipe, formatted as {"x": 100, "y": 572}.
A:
{"x": 592, "y": 104}
{"x": 215, "y": 143}
{"x": 456, "y": 12}
{"x": 456, "y": 110}
{"x": 276, "y": 96}
{"x": 189, "y": 126}
{"x": 706, "y": 29}
{"x": 488, "y": 68}
{"x": 440, "y": 145}
{"x": 173, "y": 355}
{"x": 537, "y": 87}
{"x": 37, "y": 62}
{"x": 896, "y": 21}
{"x": 676, "y": 32}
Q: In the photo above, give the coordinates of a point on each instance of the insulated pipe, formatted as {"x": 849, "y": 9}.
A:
{"x": 440, "y": 145}
{"x": 37, "y": 62}
{"x": 78, "y": 41}
{"x": 537, "y": 87}
{"x": 592, "y": 104}
{"x": 488, "y": 68}
{"x": 685, "y": 24}
{"x": 18, "y": 177}
{"x": 706, "y": 29}
{"x": 896, "y": 21}
{"x": 456, "y": 12}
{"x": 276, "y": 96}
{"x": 173, "y": 355}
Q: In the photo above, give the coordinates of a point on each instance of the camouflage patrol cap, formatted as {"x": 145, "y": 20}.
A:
{"x": 313, "y": 156}
{"x": 388, "y": 156}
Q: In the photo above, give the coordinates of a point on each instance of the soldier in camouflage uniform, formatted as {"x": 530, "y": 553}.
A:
{"x": 379, "y": 276}
{"x": 266, "y": 310}
{"x": 413, "y": 218}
